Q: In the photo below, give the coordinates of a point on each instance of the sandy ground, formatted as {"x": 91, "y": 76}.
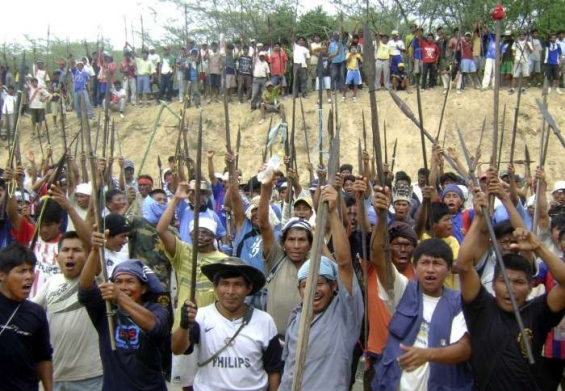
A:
{"x": 466, "y": 110}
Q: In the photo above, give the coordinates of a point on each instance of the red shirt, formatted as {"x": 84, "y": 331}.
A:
{"x": 25, "y": 234}
{"x": 278, "y": 62}
{"x": 128, "y": 68}
{"x": 466, "y": 49}
{"x": 430, "y": 52}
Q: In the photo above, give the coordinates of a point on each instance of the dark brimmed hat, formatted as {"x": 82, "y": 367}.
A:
{"x": 236, "y": 266}
{"x": 116, "y": 224}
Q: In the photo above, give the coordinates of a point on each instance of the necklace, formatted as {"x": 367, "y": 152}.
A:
{"x": 10, "y": 319}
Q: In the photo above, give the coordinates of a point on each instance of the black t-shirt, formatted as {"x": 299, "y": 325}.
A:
{"x": 245, "y": 65}
{"x": 499, "y": 358}
{"x": 24, "y": 342}
{"x": 136, "y": 363}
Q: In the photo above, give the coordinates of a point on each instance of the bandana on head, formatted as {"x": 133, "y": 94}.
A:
{"x": 399, "y": 229}
{"x": 328, "y": 269}
{"x": 296, "y": 222}
{"x": 452, "y": 189}
{"x": 152, "y": 210}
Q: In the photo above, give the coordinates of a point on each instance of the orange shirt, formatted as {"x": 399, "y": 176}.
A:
{"x": 278, "y": 62}
{"x": 379, "y": 315}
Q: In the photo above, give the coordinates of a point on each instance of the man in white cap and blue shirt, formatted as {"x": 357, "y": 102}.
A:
{"x": 338, "y": 309}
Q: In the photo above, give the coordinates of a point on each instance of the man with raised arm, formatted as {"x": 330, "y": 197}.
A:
{"x": 499, "y": 357}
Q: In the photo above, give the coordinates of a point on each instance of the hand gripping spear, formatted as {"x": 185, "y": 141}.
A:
{"x": 369, "y": 52}
{"x": 315, "y": 253}
{"x": 498, "y": 252}
{"x": 97, "y": 211}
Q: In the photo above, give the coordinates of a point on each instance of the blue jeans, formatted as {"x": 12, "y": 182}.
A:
{"x": 92, "y": 384}
{"x": 338, "y": 73}
{"x": 78, "y": 107}
{"x": 166, "y": 84}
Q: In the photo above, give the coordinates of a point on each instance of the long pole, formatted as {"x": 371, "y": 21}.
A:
{"x": 496, "y": 246}
{"x": 502, "y": 141}
{"x": 369, "y": 53}
{"x": 311, "y": 280}
{"x": 97, "y": 211}
{"x": 197, "y": 192}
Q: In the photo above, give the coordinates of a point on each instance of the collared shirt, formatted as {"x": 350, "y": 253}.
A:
{"x": 328, "y": 362}
{"x": 300, "y": 55}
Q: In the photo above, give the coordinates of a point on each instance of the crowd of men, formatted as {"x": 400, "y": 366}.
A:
{"x": 264, "y": 73}
{"x": 105, "y": 295}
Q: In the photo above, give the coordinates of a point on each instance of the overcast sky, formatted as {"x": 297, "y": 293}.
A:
{"x": 77, "y": 21}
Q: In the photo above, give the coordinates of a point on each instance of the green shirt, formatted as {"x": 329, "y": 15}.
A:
{"x": 271, "y": 97}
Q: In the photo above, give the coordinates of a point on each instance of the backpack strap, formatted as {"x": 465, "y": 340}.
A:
{"x": 275, "y": 268}
{"x": 244, "y": 322}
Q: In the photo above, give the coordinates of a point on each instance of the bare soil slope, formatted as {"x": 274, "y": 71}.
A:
{"x": 466, "y": 110}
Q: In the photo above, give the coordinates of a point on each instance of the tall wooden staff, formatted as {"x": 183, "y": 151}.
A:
{"x": 513, "y": 140}
{"x": 305, "y": 129}
{"x": 196, "y": 218}
{"x": 97, "y": 211}
{"x": 369, "y": 53}
{"x": 311, "y": 280}
{"x": 427, "y": 205}
{"x": 498, "y": 253}
{"x": 498, "y": 15}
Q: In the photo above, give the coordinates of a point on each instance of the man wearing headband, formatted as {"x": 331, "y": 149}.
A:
{"x": 428, "y": 345}
{"x": 337, "y": 311}
{"x": 179, "y": 254}
{"x": 144, "y": 187}
{"x": 283, "y": 258}
{"x": 140, "y": 325}
{"x": 238, "y": 346}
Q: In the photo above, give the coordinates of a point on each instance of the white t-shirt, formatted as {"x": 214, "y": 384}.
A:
{"x": 114, "y": 258}
{"x": 240, "y": 366}
{"x": 417, "y": 380}
{"x": 75, "y": 341}
{"x": 154, "y": 58}
{"x": 300, "y": 54}
{"x": 396, "y": 47}
{"x": 47, "y": 266}
{"x": 519, "y": 47}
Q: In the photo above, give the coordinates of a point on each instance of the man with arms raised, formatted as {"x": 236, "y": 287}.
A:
{"x": 76, "y": 360}
{"x": 140, "y": 326}
{"x": 428, "y": 343}
{"x": 499, "y": 357}
{"x": 283, "y": 258}
{"x": 338, "y": 311}
{"x": 239, "y": 348}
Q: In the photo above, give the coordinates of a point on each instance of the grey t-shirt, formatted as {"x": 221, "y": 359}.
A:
{"x": 333, "y": 335}
{"x": 283, "y": 287}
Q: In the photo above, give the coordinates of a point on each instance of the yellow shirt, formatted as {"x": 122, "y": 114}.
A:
{"x": 181, "y": 261}
{"x": 144, "y": 67}
{"x": 351, "y": 59}
{"x": 383, "y": 51}
{"x": 476, "y": 45}
{"x": 452, "y": 280}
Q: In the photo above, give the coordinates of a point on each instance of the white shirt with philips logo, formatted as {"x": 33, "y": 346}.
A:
{"x": 240, "y": 366}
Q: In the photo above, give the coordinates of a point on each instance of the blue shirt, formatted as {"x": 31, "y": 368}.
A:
{"x": 491, "y": 46}
{"x": 186, "y": 214}
{"x": 335, "y": 48}
{"x": 250, "y": 244}
{"x": 81, "y": 79}
{"x": 417, "y": 48}
{"x": 552, "y": 53}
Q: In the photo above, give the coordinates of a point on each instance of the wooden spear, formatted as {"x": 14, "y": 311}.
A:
{"x": 496, "y": 246}
{"x": 310, "y": 289}
{"x": 196, "y": 218}
{"x": 502, "y": 141}
{"x": 369, "y": 53}
{"x": 97, "y": 212}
